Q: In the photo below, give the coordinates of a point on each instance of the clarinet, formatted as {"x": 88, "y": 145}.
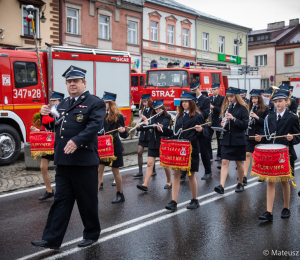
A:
{"x": 250, "y": 120}
{"x": 226, "y": 119}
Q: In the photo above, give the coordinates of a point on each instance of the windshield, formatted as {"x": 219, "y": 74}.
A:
{"x": 161, "y": 78}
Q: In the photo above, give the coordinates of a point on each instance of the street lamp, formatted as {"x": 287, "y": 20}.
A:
{"x": 240, "y": 43}
{"x": 43, "y": 18}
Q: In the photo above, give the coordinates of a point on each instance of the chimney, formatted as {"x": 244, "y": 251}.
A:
{"x": 294, "y": 22}
{"x": 276, "y": 25}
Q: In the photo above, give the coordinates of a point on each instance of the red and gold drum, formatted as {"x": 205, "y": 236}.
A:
{"x": 106, "y": 148}
{"x": 175, "y": 154}
{"x": 42, "y": 143}
{"x": 271, "y": 162}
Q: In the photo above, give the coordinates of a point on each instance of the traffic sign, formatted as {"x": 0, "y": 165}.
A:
{"x": 271, "y": 78}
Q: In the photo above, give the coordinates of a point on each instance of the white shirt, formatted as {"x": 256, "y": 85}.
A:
{"x": 280, "y": 114}
{"x": 186, "y": 112}
{"x": 76, "y": 98}
{"x": 233, "y": 105}
{"x": 199, "y": 96}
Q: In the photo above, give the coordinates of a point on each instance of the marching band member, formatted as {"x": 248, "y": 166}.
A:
{"x": 216, "y": 101}
{"x": 293, "y": 105}
{"x": 243, "y": 94}
{"x": 188, "y": 116}
{"x": 144, "y": 138}
{"x": 291, "y": 96}
{"x": 114, "y": 120}
{"x": 233, "y": 143}
{"x": 282, "y": 122}
{"x": 258, "y": 112}
{"x": 163, "y": 119}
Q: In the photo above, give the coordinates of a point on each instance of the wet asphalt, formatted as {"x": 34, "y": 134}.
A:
{"x": 224, "y": 227}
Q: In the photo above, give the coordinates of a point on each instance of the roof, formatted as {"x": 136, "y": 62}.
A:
{"x": 183, "y": 8}
{"x": 136, "y": 2}
{"x": 285, "y": 32}
{"x": 296, "y": 38}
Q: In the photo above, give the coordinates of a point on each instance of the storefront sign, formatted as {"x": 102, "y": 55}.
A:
{"x": 169, "y": 59}
{"x": 229, "y": 58}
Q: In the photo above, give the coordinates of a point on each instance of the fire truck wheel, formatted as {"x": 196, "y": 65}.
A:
{"x": 10, "y": 144}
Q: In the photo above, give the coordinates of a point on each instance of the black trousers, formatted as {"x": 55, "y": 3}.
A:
{"x": 209, "y": 138}
{"x": 78, "y": 183}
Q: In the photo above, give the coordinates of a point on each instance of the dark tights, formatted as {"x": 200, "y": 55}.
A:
{"x": 140, "y": 159}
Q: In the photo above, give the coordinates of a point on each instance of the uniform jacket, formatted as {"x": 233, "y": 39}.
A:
{"x": 246, "y": 100}
{"x": 294, "y": 105}
{"x": 203, "y": 104}
{"x": 186, "y": 122}
{"x": 217, "y": 103}
{"x": 145, "y": 135}
{"x": 271, "y": 107}
{"x": 109, "y": 126}
{"x": 235, "y": 131}
{"x": 257, "y": 127}
{"x": 79, "y": 123}
{"x": 154, "y": 142}
{"x": 288, "y": 124}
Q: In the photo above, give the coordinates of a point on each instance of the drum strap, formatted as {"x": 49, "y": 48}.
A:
{"x": 179, "y": 131}
{"x": 267, "y": 131}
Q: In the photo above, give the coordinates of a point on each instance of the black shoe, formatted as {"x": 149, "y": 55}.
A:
{"x": 153, "y": 174}
{"x": 167, "y": 186}
{"x": 219, "y": 167}
{"x": 141, "y": 187}
{"x": 219, "y": 189}
{"x": 47, "y": 195}
{"x": 206, "y": 176}
{"x": 137, "y": 175}
{"x": 285, "y": 213}
{"x": 113, "y": 184}
{"x": 101, "y": 186}
{"x": 239, "y": 187}
{"x": 184, "y": 179}
{"x": 86, "y": 242}
{"x": 120, "y": 198}
{"x": 193, "y": 204}
{"x": 245, "y": 181}
{"x": 263, "y": 181}
{"x": 172, "y": 205}
{"x": 44, "y": 244}
{"x": 299, "y": 193}
{"x": 218, "y": 159}
{"x": 266, "y": 216}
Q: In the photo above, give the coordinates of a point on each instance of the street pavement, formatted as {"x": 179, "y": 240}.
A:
{"x": 224, "y": 227}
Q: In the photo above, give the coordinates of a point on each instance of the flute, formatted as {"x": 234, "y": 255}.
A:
{"x": 147, "y": 119}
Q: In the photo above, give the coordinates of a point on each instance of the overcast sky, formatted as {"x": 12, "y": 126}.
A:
{"x": 255, "y": 14}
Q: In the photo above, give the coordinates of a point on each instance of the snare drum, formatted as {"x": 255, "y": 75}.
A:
{"x": 271, "y": 162}
{"x": 41, "y": 143}
{"x": 106, "y": 148}
{"x": 175, "y": 154}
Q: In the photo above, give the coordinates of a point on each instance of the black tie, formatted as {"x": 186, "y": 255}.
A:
{"x": 184, "y": 114}
{"x": 278, "y": 119}
{"x": 72, "y": 101}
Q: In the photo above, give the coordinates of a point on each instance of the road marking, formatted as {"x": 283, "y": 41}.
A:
{"x": 129, "y": 222}
{"x": 53, "y": 185}
{"x": 142, "y": 225}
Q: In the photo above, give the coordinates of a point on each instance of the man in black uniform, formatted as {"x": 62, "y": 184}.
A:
{"x": 216, "y": 102}
{"x": 80, "y": 118}
{"x": 204, "y": 106}
{"x": 243, "y": 95}
{"x": 291, "y": 95}
{"x": 293, "y": 101}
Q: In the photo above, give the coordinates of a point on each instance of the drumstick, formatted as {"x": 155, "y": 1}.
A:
{"x": 112, "y": 131}
{"x": 194, "y": 127}
{"x": 280, "y": 136}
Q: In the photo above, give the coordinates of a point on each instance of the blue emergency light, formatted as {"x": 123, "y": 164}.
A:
{"x": 187, "y": 64}
{"x": 154, "y": 65}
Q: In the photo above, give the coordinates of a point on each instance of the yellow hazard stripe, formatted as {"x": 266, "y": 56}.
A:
{"x": 20, "y": 107}
{"x": 125, "y": 108}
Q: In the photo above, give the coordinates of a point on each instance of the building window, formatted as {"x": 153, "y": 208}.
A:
{"x": 265, "y": 83}
{"x": 27, "y": 27}
{"x": 205, "y": 40}
{"x": 236, "y": 47}
{"x": 151, "y": 64}
{"x": 104, "y": 27}
{"x": 261, "y": 60}
{"x": 266, "y": 37}
{"x": 289, "y": 59}
{"x": 221, "y": 44}
{"x": 154, "y": 31}
{"x": 72, "y": 21}
{"x": 171, "y": 32}
{"x": 251, "y": 39}
{"x": 185, "y": 42}
{"x": 132, "y": 32}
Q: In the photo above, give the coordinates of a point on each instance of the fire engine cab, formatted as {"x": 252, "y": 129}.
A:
{"x": 136, "y": 87}
{"x": 168, "y": 83}
{"x": 21, "y": 94}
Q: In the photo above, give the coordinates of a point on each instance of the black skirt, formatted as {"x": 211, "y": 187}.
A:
{"x": 153, "y": 153}
{"x": 116, "y": 163}
{"x": 143, "y": 143}
{"x": 49, "y": 157}
{"x": 233, "y": 153}
{"x": 251, "y": 145}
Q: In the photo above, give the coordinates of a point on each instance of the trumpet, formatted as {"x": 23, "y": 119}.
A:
{"x": 226, "y": 119}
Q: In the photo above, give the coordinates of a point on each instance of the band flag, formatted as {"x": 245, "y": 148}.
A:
{"x": 42, "y": 143}
{"x": 106, "y": 148}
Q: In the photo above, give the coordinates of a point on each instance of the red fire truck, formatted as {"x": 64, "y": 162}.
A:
{"x": 21, "y": 93}
{"x": 136, "y": 88}
{"x": 168, "y": 83}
